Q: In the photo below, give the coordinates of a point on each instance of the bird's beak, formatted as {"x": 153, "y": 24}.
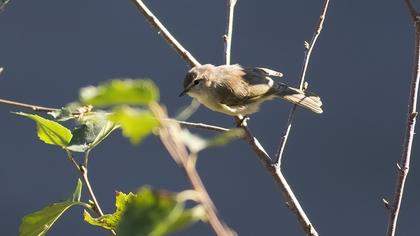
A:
{"x": 186, "y": 90}
{"x": 183, "y": 93}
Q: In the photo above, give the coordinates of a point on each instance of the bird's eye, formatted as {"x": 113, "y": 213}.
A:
{"x": 197, "y": 81}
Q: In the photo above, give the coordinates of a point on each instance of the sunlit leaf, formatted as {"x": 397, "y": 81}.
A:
{"x": 156, "y": 214}
{"x": 38, "y": 223}
{"x": 135, "y": 123}
{"x": 149, "y": 213}
{"x": 50, "y": 131}
{"x": 120, "y": 92}
{"x": 110, "y": 221}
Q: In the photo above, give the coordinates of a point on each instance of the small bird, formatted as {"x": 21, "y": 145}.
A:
{"x": 238, "y": 91}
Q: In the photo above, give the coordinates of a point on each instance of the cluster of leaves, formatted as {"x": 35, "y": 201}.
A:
{"x": 128, "y": 107}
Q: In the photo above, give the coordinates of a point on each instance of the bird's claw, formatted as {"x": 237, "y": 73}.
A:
{"x": 242, "y": 121}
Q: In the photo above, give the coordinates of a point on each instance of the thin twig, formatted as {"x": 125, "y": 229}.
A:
{"x": 84, "y": 174}
{"x": 200, "y": 126}
{"x": 168, "y": 134}
{"x": 83, "y": 171}
{"x": 411, "y": 9}
{"x": 404, "y": 165}
{"x": 308, "y": 53}
{"x": 161, "y": 29}
{"x": 27, "y": 106}
{"x": 49, "y": 109}
{"x": 229, "y": 28}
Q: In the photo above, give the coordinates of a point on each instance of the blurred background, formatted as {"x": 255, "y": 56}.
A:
{"x": 339, "y": 164}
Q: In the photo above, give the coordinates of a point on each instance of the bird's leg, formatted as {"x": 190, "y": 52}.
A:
{"x": 242, "y": 120}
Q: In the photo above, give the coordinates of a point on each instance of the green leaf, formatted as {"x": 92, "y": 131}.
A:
{"x": 50, "y": 131}
{"x": 149, "y": 213}
{"x": 110, "y": 221}
{"x": 195, "y": 143}
{"x": 94, "y": 129}
{"x": 135, "y": 123}
{"x": 156, "y": 214}
{"x": 38, "y": 223}
{"x": 120, "y": 92}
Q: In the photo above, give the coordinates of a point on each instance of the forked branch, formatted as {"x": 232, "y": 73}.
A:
{"x": 291, "y": 200}
{"x": 308, "y": 52}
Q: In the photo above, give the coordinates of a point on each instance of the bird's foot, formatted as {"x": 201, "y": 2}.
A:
{"x": 241, "y": 121}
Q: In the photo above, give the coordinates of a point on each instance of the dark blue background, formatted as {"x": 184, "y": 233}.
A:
{"x": 340, "y": 164}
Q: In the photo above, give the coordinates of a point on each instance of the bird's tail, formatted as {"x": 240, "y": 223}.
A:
{"x": 307, "y": 100}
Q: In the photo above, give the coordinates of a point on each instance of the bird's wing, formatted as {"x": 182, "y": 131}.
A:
{"x": 256, "y": 84}
{"x": 268, "y": 72}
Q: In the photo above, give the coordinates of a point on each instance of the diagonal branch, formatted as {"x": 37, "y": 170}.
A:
{"x": 27, "y": 106}
{"x": 161, "y": 29}
{"x": 404, "y": 165}
{"x": 83, "y": 171}
{"x": 308, "y": 53}
{"x": 169, "y": 135}
{"x": 291, "y": 200}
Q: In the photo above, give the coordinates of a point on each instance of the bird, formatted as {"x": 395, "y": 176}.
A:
{"x": 238, "y": 91}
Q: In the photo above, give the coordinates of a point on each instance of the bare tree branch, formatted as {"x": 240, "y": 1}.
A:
{"x": 27, "y": 106}
{"x": 169, "y": 134}
{"x": 200, "y": 126}
{"x": 308, "y": 53}
{"x": 404, "y": 165}
{"x": 291, "y": 200}
{"x": 49, "y": 109}
{"x": 259, "y": 150}
{"x": 412, "y": 10}
{"x": 161, "y": 29}
{"x": 229, "y": 28}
